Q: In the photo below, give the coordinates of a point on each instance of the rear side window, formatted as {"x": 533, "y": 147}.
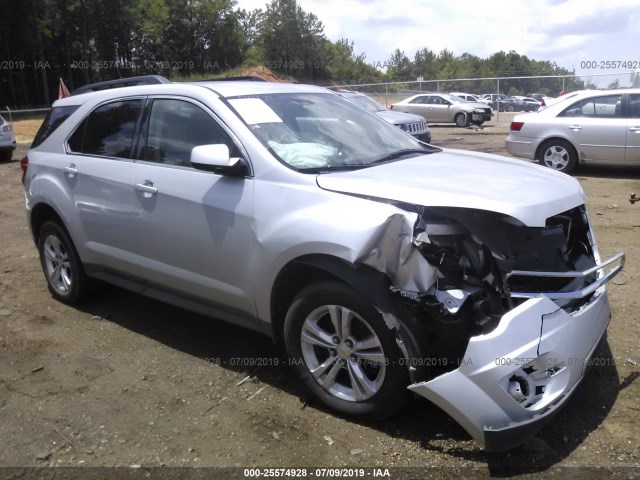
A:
{"x": 108, "y": 131}
{"x": 608, "y": 106}
{"x": 54, "y": 119}
{"x": 634, "y": 104}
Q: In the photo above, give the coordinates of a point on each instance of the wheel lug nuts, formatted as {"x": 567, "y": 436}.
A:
{"x": 336, "y": 340}
{"x": 349, "y": 343}
{"x": 333, "y": 352}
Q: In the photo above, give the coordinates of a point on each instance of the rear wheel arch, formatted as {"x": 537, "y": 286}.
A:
{"x": 42, "y": 213}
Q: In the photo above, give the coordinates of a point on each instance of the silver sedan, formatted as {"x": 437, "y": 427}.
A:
{"x": 585, "y": 127}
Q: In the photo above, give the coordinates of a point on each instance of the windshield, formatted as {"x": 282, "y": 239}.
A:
{"x": 314, "y": 132}
{"x": 367, "y": 102}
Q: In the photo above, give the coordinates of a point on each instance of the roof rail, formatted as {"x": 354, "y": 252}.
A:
{"x": 121, "y": 82}
{"x": 246, "y": 78}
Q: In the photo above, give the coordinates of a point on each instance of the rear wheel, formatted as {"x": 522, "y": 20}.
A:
{"x": 61, "y": 264}
{"x": 345, "y": 353}
{"x": 6, "y": 156}
{"x": 510, "y": 108}
{"x": 559, "y": 155}
{"x": 462, "y": 119}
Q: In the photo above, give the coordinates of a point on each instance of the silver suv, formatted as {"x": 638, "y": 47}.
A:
{"x": 385, "y": 266}
{"x": 7, "y": 140}
{"x": 412, "y": 124}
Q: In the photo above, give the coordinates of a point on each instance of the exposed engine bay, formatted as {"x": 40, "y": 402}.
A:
{"x": 487, "y": 264}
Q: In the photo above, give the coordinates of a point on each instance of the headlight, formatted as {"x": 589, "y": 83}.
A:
{"x": 479, "y": 110}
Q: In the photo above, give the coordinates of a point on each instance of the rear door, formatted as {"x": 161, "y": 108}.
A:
{"x": 632, "y": 152}
{"x": 97, "y": 171}
{"x": 194, "y": 227}
{"x": 597, "y": 127}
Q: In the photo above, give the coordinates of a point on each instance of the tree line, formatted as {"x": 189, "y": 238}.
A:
{"x": 86, "y": 41}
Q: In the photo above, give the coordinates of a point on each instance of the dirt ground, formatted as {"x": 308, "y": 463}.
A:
{"x": 126, "y": 381}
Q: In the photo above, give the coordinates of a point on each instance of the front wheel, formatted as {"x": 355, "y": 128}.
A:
{"x": 462, "y": 119}
{"x": 510, "y": 108}
{"x": 559, "y": 155}
{"x": 345, "y": 353}
{"x": 61, "y": 264}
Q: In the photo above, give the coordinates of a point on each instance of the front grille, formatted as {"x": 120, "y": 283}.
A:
{"x": 414, "y": 128}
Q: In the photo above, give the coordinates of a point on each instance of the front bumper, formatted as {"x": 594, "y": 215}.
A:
{"x": 512, "y": 380}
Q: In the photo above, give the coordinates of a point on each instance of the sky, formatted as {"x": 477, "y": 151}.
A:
{"x": 575, "y": 34}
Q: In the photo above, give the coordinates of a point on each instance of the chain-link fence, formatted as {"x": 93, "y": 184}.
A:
{"x": 551, "y": 85}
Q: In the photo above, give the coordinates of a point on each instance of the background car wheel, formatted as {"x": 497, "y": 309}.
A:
{"x": 61, "y": 264}
{"x": 462, "y": 119}
{"x": 345, "y": 353}
{"x": 558, "y": 155}
{"x": 6, "y": 156}
{"x": 510, "y": 108}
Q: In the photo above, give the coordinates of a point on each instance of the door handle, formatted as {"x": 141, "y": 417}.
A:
{"x": 635, "y": 129}
{"x": 147, "y": 187}
{"x": 575, "y": 127}
{"x": 71, "y": 170}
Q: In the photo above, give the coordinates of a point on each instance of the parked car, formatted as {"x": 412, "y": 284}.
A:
{"x": 385, "y": 266}
{"x": 7, "y": 140}
{"x": 532, "y": 104}
{"x": 444, "y": 108}
{"x": 469, "y": 97}
{"x": 585, "y": 127}
{"x": 412, "y": 124}
{"x": 505, "y": 103}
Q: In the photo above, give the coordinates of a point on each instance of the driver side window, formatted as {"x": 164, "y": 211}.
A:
{"x": 175, "y": 127}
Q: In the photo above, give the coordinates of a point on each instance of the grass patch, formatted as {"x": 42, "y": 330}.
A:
{"x": 25, "y": 130}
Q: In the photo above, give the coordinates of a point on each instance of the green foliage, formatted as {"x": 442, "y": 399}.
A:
{"x": 84, "y": 41}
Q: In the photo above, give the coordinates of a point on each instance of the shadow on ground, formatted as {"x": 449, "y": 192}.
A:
{"x": 420, "y": 422}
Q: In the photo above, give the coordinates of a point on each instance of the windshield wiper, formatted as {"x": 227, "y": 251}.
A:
{"x": 401, "y": 153}
{"x": 336, "y": 168}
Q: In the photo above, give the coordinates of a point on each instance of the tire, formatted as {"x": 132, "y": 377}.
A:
{"x": 330, "y": 355}
{"x": 510, "y": 108}
{"x": 558, "y": 155}
{"x": 462, "y": 119}
{"x": 6, "y": 156}
{"x": 63, "y": 270}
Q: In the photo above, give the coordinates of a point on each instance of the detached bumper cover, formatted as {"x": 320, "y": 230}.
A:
{"x": 513, "y": 380}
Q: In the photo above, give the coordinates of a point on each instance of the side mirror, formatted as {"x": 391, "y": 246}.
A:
{"x": 216, "y": 158}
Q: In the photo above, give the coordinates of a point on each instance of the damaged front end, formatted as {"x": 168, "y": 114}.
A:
{"x": 512, "y": 316}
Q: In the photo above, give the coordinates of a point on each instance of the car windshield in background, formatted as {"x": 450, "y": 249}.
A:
{"x": 314, "y": 132}
{"x": 367, "y": 102}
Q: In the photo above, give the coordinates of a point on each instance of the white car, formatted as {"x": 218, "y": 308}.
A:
{"x": 469, "y": 97}
{"x": 7, "y": 140}
{"x": 584, "y": 127}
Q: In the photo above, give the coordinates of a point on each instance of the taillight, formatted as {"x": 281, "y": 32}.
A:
{"x": 542, "y": 104}
{"x": 516, "y": 126}
{"x": 24, "y": 163}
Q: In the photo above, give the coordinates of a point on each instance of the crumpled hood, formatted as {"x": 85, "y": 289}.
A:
{"x": 457, "y": 178}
